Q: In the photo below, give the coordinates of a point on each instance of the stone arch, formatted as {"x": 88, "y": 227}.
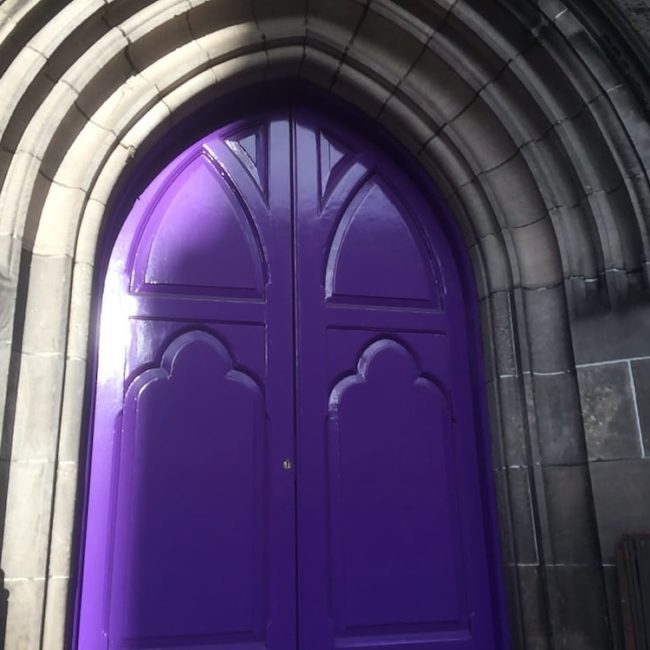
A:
{"x": 513, "y": 109}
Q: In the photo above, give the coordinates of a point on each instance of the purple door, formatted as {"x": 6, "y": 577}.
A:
{"x": 285, "y": 451}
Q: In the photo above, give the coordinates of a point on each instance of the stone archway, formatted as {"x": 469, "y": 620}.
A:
{"x": 513, "y": 109}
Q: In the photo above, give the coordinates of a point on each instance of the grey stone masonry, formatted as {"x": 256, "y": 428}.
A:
{"x": 526, "y": 123}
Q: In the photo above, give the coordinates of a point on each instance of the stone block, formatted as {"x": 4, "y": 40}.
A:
{"x": 571, "y": 519}
{"x": 38, "y": 405}
{"x": 574, "y": 38}
{"x": 614, "y": 607}
{"x": 409, "y": 15}
{"x": 5, "y": 160}
{"x": 476, "y": 197}
{"x": 62, "y": 23}
{"x": 495, "y": 428}
{"x": 208, "y": 18}
{"x": 517, "y": 193}
{"x": 24, "y": 614}
{"x": 278, "y": 20}
{"x": 56, "y": 613}
{"x": 508, "y": 94}
{"x": 65, "y": 503}
{"x": 78, "y": 167}
{"x": 67, "y": 53}
{"x": 613, "y": 120}
{"x": 46, "y": 313}
{"x": 27, "y": 520}
{"x": 317, "y": 67}
{"x": 502, "y": 492}
{"x": 360, "y": 90}
{"x": 72, "y": 411}
{"x": 544, "y": 158}
{"x": 386, "y": 48}
{"x": 16, "y": 82}
{"x": 513, "y": 413}
{"x": 81, "y": 307}
{"x": 59, "y": 220}
{"x": 485, "y": 321}
{"x": 284, "y": 62}
{"x": 625, "y": 247}
{"x": 511, "y": 37}
{"x": 629, "y": 112}
{"x": 180, "y": 65}
{"x": 522, "y": 507}
{"x": 538, "y": 255}
{"x": 530, "y": 593}
{"x": 457, "y": 42}
{"x": 559, "y": 419}
{"x": 593, "y": 340}
{"x": 502, "y": 315}
{"x": 609, "y": 412}
{"x": 7, "y": 310}
{"x": 580, "y": 608}
{"x": 333, "y": 24}
{"x": 484, "y": 133}
{"x": 426, "y": 17}
{"x": 17, "y": 192}
{"x": 641, "y": 375}
{"x": 575, "y": 239}
{"x": 128, "y": 102}
{"x": 457, "y": 208}
{"x": 436, "y": 87}
{"x": 118, "y": 11}
{"x": 494, "y": 253}
{"x": 549, "y": 338}
{"x": 553, "y": 89}
{"x": 155, "y": 32}
{"x": 407, "y": 124}
{"x": 621, "y": 490}
{"x": 568, "y": 40}
{"x": 442, "y": 155}
{"x": 593, "y": 159}
{"x": 114, "y": 71}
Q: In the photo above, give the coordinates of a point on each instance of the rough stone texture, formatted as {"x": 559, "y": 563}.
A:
{"x": 573, "y": 533}
{"x": 559, "y": 426}
{"x": 621, "y": 490}
{"x": 612, "y": 335}
{"x": 609, "y": 409}
{"x": 521, "y": 500}
{"x": 641, "y": 375}
{"x": 580, "y": 614}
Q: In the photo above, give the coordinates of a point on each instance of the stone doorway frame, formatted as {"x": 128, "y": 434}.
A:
{"x": 534, "y": 147}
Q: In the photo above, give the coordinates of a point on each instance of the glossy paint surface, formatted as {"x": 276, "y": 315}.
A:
{"x": 286, "y": 452}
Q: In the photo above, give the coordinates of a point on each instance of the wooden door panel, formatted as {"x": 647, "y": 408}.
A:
{"x": 393, "y": 510}
{"x": 391, "y": 538}
{"x": 191, "y": 522}
{"x": 191, "y": 501}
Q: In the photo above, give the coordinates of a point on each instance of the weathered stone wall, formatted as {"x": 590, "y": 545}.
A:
{"x": 530, "y": 130}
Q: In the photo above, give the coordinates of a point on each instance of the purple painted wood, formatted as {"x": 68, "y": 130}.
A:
{"x": 285, "y": 451}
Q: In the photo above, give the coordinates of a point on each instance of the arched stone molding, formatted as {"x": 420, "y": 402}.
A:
{"x": 511, "y": 107}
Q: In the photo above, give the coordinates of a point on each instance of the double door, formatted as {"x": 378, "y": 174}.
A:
{"x": 286, "y": 453}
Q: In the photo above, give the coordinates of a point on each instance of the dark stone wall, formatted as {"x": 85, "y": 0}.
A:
{"x": 638, "y": 14}
{"x": 613, "y": 365}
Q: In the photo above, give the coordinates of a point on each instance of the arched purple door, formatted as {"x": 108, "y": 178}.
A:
{"x": 285, "y": 451}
